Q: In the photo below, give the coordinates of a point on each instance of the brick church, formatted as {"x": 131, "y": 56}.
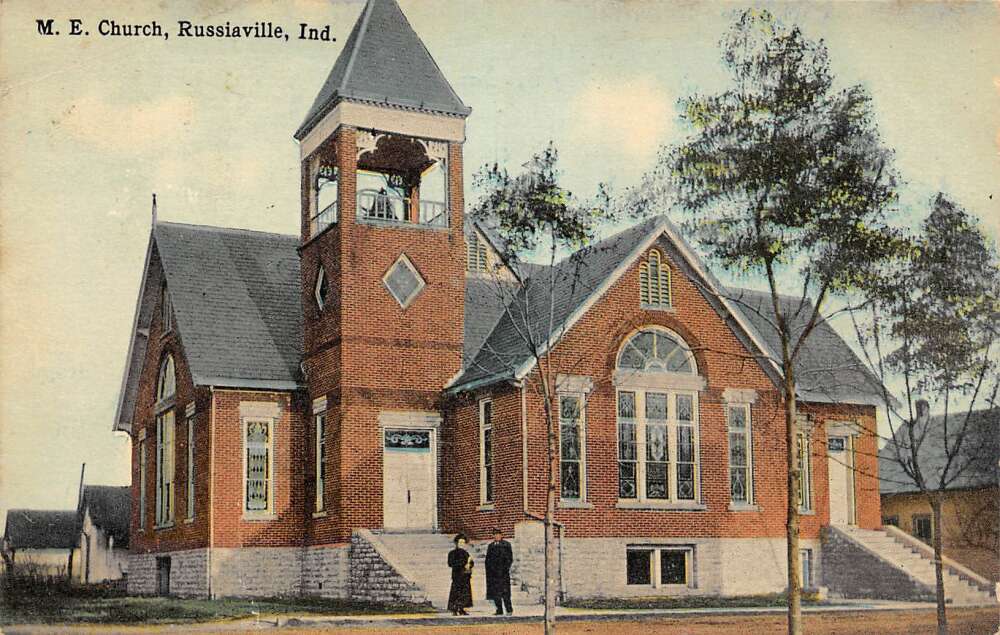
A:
{"x": 315, "y": 414}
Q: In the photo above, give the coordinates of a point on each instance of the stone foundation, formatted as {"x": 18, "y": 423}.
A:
{"x": 188, "y": 573}
{"x": 256, "y": 571}
{"x": 375, "y": 580}
{"x": 326, "y": 571}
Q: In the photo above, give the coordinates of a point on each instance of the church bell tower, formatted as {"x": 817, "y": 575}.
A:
{"x": 382, "y": 256}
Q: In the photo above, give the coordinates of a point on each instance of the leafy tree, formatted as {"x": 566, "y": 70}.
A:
{"x": 532, "y": 214}
{"x": 932, "y": 327}
{"x": 783, "y": 177}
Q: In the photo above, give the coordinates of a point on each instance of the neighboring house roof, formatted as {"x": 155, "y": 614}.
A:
{"x": 384, "y": 62}
{"x": 109, "y": 507}
{"x": 974, "y": 466}
{"x": 42, "y": 529}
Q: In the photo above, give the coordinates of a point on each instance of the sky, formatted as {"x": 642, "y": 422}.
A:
{"x": 90, "y": 126}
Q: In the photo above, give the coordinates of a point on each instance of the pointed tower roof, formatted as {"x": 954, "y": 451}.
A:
{"x": 384, "y": 62}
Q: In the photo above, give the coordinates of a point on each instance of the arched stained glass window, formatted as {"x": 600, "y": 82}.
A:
{"x": 656, "y": 351}
{"x": 166, "y": 386}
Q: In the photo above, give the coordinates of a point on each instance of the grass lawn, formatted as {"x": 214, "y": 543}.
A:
{"x": 691, "y": 602}
{"x": 59, "y": 608}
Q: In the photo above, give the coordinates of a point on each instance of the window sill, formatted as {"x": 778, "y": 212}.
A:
{"x": 188, "y": 521}
{"x": 807, "y": 512}
{"x": 320, "y": 514}
{"x": 574, "y": 504}
{"x": 664, "y": 506}
{"x": 744, "y": 507}
{"x": 657, "y": 307}
{"x": 259, "y": 517}
{"x": 486, "y": 507}
{"x": 163, "y": 526}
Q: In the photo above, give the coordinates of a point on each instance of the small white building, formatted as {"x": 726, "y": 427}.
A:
{"x": 103, "y": 540}
{"x": 42, "y": 542}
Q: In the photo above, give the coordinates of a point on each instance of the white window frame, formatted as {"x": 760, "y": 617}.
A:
{"x": 582, "y": 424}
{"x": 190, "y": 463}
{"x": 404, "y": 261}
{"x": 656, "y": 566}
{"x": 803, "y": 443}
{"x": 640, "y": 422}
{"x": 476, "y": 254}
{"x": 806, "y": 564}
{"x": 317, "y": 295}
{"x": 166, "y": 431}
{"x": 319, "y": 431}
{"x": 747, "y": 432}
{"x": 268, "y": 511}
{"x": 487, "y": 470}
{"x": 654, "y": 273}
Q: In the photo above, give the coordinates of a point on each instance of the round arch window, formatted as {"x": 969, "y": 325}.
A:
{"x": 656, "y": 350}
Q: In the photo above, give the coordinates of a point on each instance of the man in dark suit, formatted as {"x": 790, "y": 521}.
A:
{"x": 499, "y": 558}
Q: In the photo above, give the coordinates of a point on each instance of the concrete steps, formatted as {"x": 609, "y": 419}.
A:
{"x": 423, "y": 558}
{"x": 912, "y": 560}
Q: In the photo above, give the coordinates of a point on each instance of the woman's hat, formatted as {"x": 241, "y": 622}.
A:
{"x": 460, "y": 537}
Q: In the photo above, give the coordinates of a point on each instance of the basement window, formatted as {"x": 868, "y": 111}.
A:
{"x": 659, "y": 567}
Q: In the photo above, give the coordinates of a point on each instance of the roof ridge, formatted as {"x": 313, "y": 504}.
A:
{"x": 362, "y": 31}
{"x": 225, "y": 229}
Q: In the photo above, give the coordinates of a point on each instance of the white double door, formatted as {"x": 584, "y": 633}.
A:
{"x": 409, "y": 479}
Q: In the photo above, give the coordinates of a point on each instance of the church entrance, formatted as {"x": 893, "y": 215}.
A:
{"x": 409, "y": 473}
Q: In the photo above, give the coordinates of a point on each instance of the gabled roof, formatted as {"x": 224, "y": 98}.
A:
{"x": 826, "y": 370}
{"x": 975, "y": 465}
{"x": 237, "y": 308}
{"x": 384, "y": 62}
{"x": 109, "y": 507}
{"x": 42, "y": 529}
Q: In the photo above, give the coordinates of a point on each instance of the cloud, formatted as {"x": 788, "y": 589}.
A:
{"x": 630, "y": 117}
{"x": 131, "y": 128}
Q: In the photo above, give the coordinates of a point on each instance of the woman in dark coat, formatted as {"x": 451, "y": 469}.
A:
{"x": 461, "y": 563}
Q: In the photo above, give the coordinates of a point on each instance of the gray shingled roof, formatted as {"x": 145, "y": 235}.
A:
{"x": 237, "y": 303}
{"x": 42, "y": 529}
{"x": 576, "y": 278}
{"x": 384, "y": 61}
{"x": 827, "y": 370}
{"x": 975, "y": 466}
{"x": 109, "y": 508}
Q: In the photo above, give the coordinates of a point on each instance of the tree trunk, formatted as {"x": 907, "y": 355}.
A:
{"x": 792, "y": 526}
{"x": 551, "y": 557}
{"x": 942, "y": 617}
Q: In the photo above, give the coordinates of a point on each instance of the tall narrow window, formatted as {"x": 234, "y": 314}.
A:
{"x": 571, "y": 447}
{"x": 805, "y": 476}
{"x": 627, "y": 446}
{"x": 685, "y": 447}
{"x": 486, "y": 451}
{"x": 166, "y": 388}
{"x": 166, "y": 309}
{"x": 165, "y": 468}
{"x": 258, "y": 446}
{"x": 740, "y": 470}
{"x": 657, "y": 452}
{"x": 654, "y": 281}
{"x": 190, "y": 466}
{"x": 320, "y": 462}
{"x": 142, "y": 484}
{"x": 806, "y": 568}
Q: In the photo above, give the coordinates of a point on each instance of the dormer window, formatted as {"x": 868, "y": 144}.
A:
{"x": 322, "y": 289}
{"x": 654, "y": 282}
{"x": 326, "y": 198}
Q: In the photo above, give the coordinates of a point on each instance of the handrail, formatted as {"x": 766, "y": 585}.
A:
{"x": 388, "y": 206}
{"x": 323, "y": 219}
{"x": 901, "y": 536}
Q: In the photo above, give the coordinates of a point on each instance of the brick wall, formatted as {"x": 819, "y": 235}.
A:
{"x": 590, "y": 349}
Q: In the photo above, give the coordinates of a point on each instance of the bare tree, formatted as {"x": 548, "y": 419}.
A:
{"x": 931, "y": 326}
{"x": 532, "y": 213}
